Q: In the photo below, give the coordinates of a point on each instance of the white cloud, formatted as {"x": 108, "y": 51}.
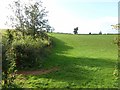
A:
{"x": 104, "y": 24}
{"x": 95, "y": 0}
{"x": 64, "y": 21}
{"x": 4, "y": 12}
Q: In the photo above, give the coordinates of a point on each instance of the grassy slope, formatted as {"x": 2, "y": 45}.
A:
{"x": 85, "y": 61}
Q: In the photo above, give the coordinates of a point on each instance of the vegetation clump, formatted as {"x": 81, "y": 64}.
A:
{"x": 26, "y": 45}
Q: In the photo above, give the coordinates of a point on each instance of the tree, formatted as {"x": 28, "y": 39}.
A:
{"x": 35, "y": 18}
{"x": 48, "y": 28}
{"x": 75, "y": 30}
{"x": 18, "y": 19}
{"x": 100, "y": 32}
{"x": 90, "y": 33}
{"x": 29, "y": 17}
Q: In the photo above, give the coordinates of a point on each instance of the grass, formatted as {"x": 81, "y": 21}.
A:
{"x": 84, "y": 61}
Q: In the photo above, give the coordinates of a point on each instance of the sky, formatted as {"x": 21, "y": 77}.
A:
{"x": 64, "y": 15}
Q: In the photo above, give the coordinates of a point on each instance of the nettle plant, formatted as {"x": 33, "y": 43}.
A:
{"x": 117, "y": 41}
{"x": 8, "y": 61}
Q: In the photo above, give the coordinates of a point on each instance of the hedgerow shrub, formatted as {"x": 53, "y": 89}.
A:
{"x": 8, "y": 61}
{"x": 20, "y": 52}
{"x": 27, "y": 51}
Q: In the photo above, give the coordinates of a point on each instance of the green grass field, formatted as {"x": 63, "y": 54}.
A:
{"x": 83, "y": 61}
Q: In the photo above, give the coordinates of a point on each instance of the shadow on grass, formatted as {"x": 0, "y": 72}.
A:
{"x": 77, "y": 70}
{"x": 60, "y": 48}
{"x": 73, "y": 69}
{"x": 80, "y": 71}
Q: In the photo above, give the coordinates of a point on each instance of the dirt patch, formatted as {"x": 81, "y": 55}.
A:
{"x": 38, "y": 72}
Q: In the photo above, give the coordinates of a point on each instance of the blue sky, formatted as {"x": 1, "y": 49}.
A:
{"x": 64, "y": 15}
{"x": 89, "y": 16}
{"x": 90, "y": 9}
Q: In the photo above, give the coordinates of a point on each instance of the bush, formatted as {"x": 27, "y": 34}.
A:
{"x": 20, "y": 52}
{"x": 27, "y": 51}
{"x": 8, "y": 61}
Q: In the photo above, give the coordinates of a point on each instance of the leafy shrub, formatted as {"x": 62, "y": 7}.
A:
{"x": 9, "y": 67}
{"x": 28, "y": 50}
{"x": 8, "y": 62}
{"x": 20, "y": 52}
